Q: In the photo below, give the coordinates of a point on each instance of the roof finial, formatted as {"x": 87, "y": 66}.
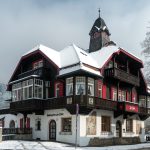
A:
{"x": 99, "y": 12}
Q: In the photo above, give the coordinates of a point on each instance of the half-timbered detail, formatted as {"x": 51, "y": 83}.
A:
{"x": 101, "y": 92}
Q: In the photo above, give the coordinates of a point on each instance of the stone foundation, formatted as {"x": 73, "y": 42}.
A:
{"x": 114, "y": 141}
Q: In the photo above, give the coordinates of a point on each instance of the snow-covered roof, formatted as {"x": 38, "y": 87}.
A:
{"x": 102, "y": 55}
{"x": 73, "y": 58}
{"x": 52, "y": 54}
{"x": 73, "y": 54}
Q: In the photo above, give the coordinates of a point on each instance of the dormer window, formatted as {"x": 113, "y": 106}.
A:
{"x": 37, "y": 64}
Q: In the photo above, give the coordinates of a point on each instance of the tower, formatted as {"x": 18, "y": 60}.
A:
{"x": 99, "y": 35}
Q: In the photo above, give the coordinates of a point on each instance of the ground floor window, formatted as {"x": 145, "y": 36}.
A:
{"x": 38, "y": 124}
{"x": 106, "y": 124}
{"x": 66, "y": 124}
{"x": 129, "y": 125}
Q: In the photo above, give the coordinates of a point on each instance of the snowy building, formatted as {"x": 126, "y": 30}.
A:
{"x": 104, "y": 85}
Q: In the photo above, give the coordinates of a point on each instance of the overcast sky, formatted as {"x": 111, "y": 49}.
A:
{"x": 58, "y": 23}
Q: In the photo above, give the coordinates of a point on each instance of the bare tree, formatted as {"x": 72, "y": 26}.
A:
{"x": 146, "y": 52}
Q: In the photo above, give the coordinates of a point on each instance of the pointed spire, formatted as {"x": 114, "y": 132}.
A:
{"x": 99, "y": 12}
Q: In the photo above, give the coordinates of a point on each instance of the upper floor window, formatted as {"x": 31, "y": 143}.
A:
{"x": 57, "y": 90}
{"x": 114, "y": 96}
{"x": 38, "y": 88}
{"x": 37, "y": 64}
{"x": 142, "y": 101}
{"x": 99, "y": 88}
{"x": 148, "y": 101}
{"x": 47, "y": 86}
{"x": 69, "y": 86}
{"x": 90, "y": 86}
{"x": 17, "y": 92}
{"x": 80, "y": 85}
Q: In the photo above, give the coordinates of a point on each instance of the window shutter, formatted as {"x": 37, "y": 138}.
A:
{"x": 21, "y": 123}
{"x": 61, "y": 88}
{"x": 104, "y": 91}
{"x": 28, "y": 123}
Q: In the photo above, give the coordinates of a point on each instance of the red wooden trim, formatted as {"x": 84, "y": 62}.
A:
{"x": 21, "y": 123}
{"x": 26, "y": 56}
{"x": 104, "y": 91}
{"x": 28, "y": 123}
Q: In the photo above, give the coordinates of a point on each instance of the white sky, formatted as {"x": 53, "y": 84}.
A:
{"x": 58, "y": 23}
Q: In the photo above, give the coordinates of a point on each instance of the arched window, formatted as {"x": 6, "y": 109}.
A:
{"x": 12, "y": 124}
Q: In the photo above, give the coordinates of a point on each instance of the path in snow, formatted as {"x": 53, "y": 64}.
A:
{"x": 39, "y": 145}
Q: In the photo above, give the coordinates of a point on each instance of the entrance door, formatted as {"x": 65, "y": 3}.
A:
{"x": 118, "y": 129}
{"x": 52, "y": 130}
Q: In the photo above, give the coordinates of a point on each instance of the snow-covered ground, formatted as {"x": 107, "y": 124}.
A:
{"x": 39, "y": 145}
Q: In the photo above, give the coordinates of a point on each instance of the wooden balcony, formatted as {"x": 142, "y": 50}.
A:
{"x": 122, "y": 75}
{"x": 30, "y": 105}
{"x": 39, "y": 71}
{"x": 129, "y": 107}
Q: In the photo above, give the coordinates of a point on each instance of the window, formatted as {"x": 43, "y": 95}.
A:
{"x": 47, "y": 86}
{"x": 114, "y": 94}
{"x": 24, "y": 90}
{"x": 80, "y": 85}
{"x": 90, "y": 86}
{"x": 57, "y": 89}
{"x": 123, "y": 95}
{"x": 148, "y": 101}
{"x": 142, "y": 101}
{"x": 129, "y": 125}
{"x": 38, "y": 64}
{"x": 38, "y": 88}
{"x": 66, "y": 124}
{"x": 99, "y": 89}
{"x": 106, "y": 124}
{"x": 69, "y": 86}
{"x": 38, "y": 124}
{"x": 119, "y": 95}
{"x": 17, "y": 92}
{"x": 27, "y": 89}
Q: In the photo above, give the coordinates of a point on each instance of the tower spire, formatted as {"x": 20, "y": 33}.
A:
{"x": 99, "y": 12}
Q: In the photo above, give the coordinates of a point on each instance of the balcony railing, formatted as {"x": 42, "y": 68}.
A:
{"x": 143, "y": 110}
{"x": 122, "y": 75}
{"x": 16, "y": 131}
{"x": 39, "y": 71}
{"x": 27, "y": 105}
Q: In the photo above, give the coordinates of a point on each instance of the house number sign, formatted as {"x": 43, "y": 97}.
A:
{"x": 59, "y": 114}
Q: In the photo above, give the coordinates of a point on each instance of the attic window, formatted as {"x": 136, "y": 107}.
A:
{"x": 83, "y": 53}
{"x": 37, "y": 64}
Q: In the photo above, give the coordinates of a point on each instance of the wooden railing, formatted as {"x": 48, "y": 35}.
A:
{"x": 16, "y": 131}
{"x": 122, "y": 75}
{"x": 39, "y": 71}
{"x": 27, "y": 105}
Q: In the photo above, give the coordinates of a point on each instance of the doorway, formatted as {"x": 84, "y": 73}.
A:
{"x": 118, "y": 129}
{"x": 52, "y": 130}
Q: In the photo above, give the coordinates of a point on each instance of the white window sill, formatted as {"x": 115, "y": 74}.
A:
{"x": 65, "y": 133}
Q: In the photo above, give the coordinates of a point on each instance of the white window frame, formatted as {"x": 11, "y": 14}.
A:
{"x": 39, "y": 84}
{"x": 91, "y": 86}
{"x": 80, "y": 82}
{"x": 69, "y": 84}
{"x": 114, "y": 94}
